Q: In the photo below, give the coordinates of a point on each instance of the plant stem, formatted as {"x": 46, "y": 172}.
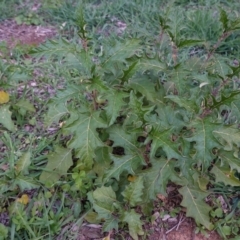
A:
{"x": 220, "y": 40}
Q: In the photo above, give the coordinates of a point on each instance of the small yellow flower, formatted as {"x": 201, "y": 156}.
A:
{"x": 4, "y": 97}
{"x": 24, "y": 199}
{"x": 131, "y": 178}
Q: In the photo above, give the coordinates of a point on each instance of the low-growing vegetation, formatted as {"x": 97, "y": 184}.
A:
{"x": 132, "y": 99}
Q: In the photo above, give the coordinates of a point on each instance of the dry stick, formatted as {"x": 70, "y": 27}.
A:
{"x": 179, "y": 222}
{"x": 176, "y": 226}
{"x": 162, "y": 235}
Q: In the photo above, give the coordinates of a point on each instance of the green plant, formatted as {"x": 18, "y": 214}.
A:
{"x": 226, "y": 210}
{"x": 132, "y": 114}
{"x": 5, "y": 5}
{"x": 22, "y": 144}
{"x": 157, "y": 116}
{"x": 28, "y": 19}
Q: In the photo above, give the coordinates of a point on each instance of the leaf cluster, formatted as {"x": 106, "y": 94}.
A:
{"x": 136, "y": 114}
{"x": 131, "y": 114}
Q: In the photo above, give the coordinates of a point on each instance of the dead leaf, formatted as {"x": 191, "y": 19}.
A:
{"x": 161, "y": 197}
{"x": 4, "y": 167}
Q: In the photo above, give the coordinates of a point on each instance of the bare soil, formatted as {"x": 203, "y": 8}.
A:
{"x": 186, "y": 231}
{"x": 13, "y": 34}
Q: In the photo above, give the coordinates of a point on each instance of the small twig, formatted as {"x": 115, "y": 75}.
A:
{"x": 176, "y": 226}
{"x": 180, "y": 221}
{"x": 170, "y": 230}
{"x": 162, "y": 236}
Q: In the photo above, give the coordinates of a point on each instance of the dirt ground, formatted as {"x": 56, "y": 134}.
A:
{"x": 186, "y": 231}
{"x": 14, "y": 34}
